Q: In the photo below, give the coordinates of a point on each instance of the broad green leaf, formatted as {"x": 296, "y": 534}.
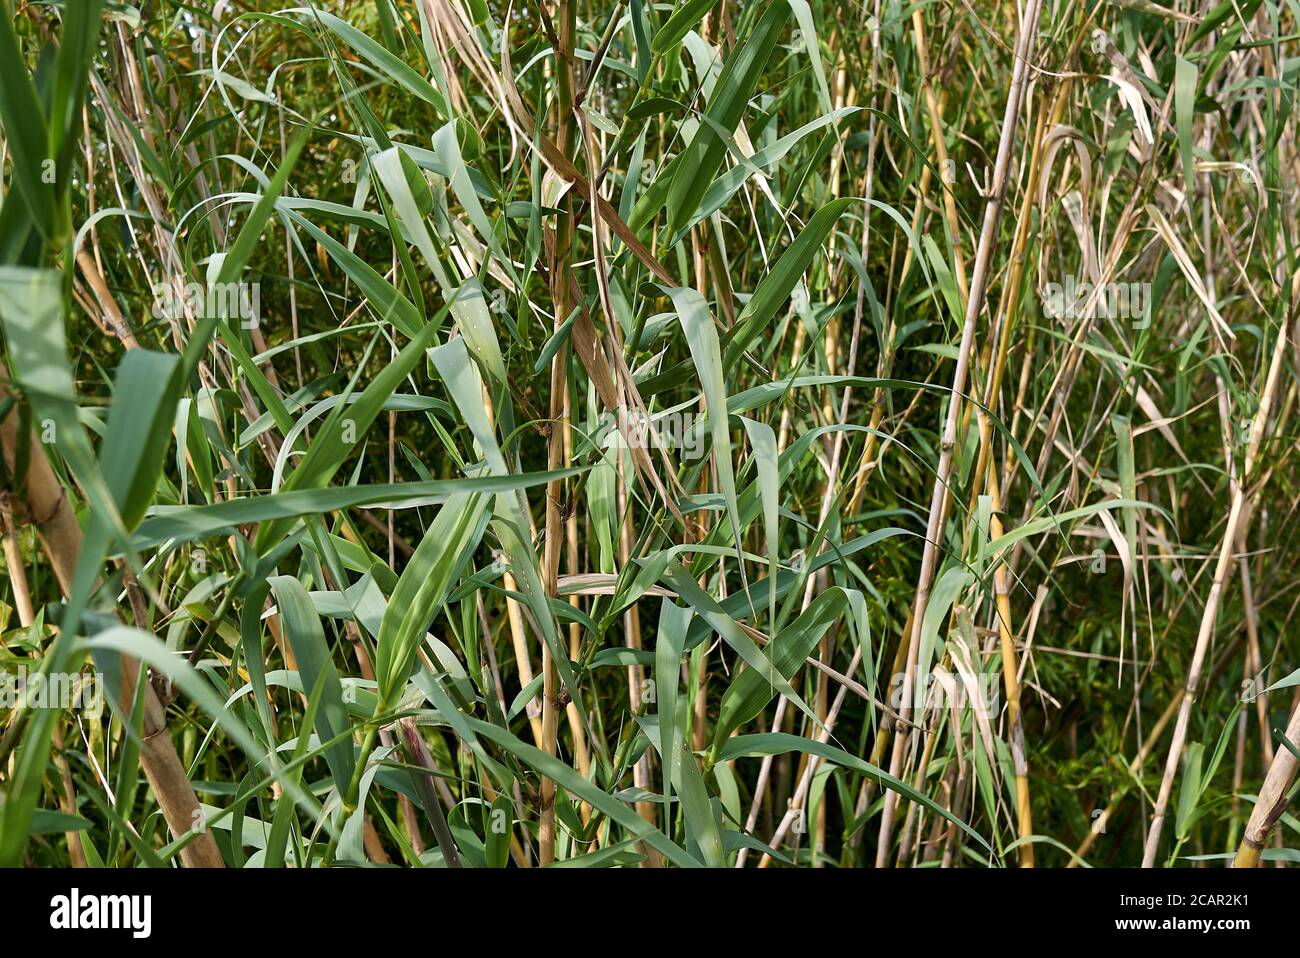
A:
{"x": 572, "y": 782}
{"x": 139, "y": 429}
{"x": 682, "y": 21}
{"x": 377, "y": 56}
{"x": 774, "y": 289}
{"x": 316, "y": 666}
{"x": 780, "y": 743}
{"x": 703, "y": 155}
{"x": 670, "y": 639}
{"x": 763, "y": 442}
{"x": 706, "y": 354}
{"x": 423, "y": 587}
{"x": 185, "y": 523}
{"x": 722, "y": 623}
{"x": 26, "y": 136}
{"x": 749, "y": 692}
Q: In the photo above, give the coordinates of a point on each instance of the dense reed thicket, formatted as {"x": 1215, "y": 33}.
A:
{"x": 755, "y": 434}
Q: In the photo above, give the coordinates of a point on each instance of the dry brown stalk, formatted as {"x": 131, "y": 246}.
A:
{"x": 1238, "y": 508}
{"x": 1271, "y": 802}
{"x": 47, "y": 508}
{"x": 938, "y": 500}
